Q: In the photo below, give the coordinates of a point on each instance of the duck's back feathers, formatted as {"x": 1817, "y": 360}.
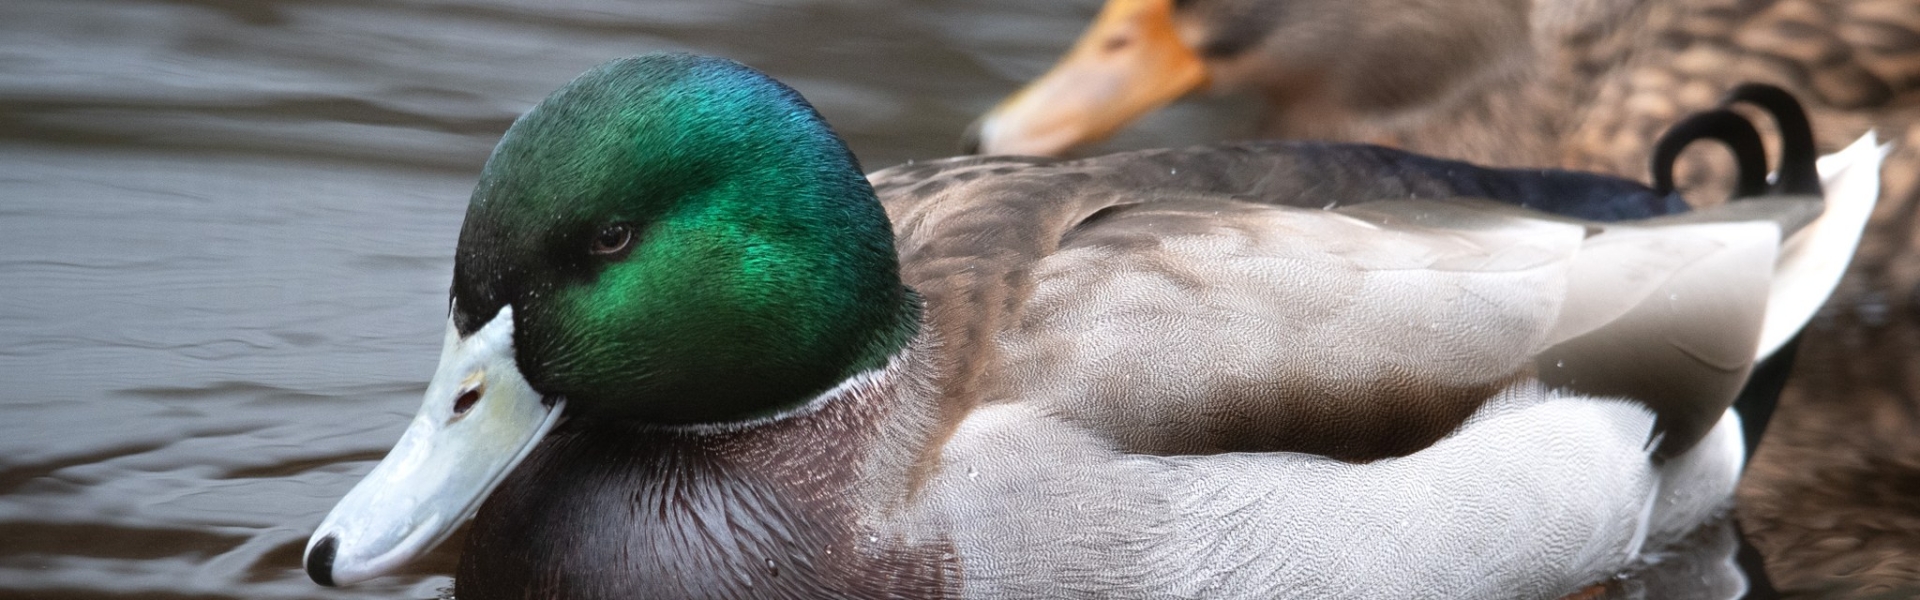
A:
{"x": 965, "y": 224}
{"x": 1194, "y": 308}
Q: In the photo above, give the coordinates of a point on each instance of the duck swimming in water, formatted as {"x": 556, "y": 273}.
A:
{"x": 1569, "y": 83}
{"x": 692, "y": 352}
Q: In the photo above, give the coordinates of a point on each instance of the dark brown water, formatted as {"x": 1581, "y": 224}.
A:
{"x": 226, "y": 235}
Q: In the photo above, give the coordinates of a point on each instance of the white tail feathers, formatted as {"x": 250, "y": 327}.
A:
{"x": 1812, "y": 261}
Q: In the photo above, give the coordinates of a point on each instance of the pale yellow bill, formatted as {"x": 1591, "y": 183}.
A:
{"x": 479, "y": 420}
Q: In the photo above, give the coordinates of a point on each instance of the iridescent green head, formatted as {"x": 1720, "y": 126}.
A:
{"x": 682, "y": 240}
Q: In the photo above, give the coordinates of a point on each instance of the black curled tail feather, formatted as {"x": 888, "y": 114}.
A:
{"x": 1798, "y": 172}
{"x": 1719, "y": 124}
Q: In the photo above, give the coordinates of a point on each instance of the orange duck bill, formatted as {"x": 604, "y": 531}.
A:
{"x": 1131, "y": 62}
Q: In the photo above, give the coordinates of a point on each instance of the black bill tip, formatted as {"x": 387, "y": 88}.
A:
{"x": 320, "y": 560}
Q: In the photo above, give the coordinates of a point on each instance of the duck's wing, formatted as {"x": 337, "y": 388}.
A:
{"x": 1178, "y": 319}
{"x": 949, "y": 213}
{"x": 970, "y": 228}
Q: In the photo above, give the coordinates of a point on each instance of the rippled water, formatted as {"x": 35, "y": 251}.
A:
{"x": 226, "y": 234}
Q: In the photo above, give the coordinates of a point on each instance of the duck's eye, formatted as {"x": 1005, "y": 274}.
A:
{"x": 613, "y": 240}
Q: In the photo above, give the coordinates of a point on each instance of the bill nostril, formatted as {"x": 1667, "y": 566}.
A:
{"x": 465, "y": 402}
{"x": 320, "y": 560}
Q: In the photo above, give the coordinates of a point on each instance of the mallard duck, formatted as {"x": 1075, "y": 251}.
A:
{"x": 1572, "y": 83}
{"x": 693, "y": 352}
